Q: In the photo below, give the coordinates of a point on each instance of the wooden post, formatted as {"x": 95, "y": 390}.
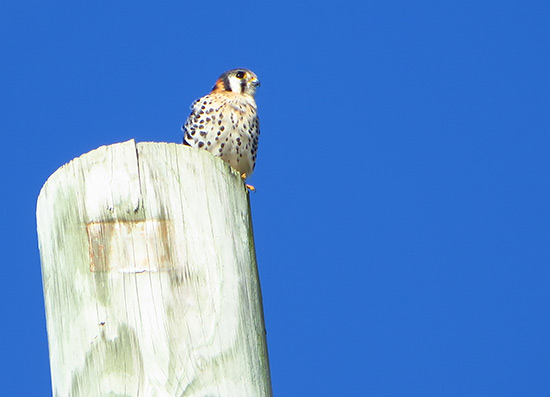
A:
{"x": 150, "y": 279}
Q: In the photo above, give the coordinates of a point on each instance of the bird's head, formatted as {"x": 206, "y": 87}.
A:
{"x": 240, "y": 81}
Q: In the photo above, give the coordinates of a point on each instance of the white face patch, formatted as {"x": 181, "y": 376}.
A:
{"x": 235, "y": 84}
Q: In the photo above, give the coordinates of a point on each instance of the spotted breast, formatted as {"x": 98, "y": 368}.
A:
{"x": 225, "y": 122}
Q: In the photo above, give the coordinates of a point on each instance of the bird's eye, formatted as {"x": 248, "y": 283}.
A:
{"x": 240, "y": 75}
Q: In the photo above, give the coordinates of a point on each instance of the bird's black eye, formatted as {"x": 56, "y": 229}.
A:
{"x": 240, "y": 74}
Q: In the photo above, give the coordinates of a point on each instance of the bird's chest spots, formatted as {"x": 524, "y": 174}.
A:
{"x": 227, "y": 127}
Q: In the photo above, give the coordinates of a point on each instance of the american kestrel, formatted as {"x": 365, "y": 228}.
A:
{"x": 225, "y": 122}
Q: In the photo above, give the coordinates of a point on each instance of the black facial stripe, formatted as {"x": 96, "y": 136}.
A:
{"x": 243, "y": 86}
{"x": 226, "y": 84}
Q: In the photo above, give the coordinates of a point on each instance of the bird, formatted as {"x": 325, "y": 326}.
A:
{"x": 225, "y": 121}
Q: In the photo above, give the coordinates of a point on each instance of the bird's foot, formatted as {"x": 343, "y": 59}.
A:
{"x": 249, "y": 187}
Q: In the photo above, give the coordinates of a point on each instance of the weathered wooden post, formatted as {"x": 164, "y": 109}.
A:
{"x": 150, "y": 279}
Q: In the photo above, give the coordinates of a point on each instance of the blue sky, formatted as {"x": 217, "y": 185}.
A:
{"x": 402, "y": 213}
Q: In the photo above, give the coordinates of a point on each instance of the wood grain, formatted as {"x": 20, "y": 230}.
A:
{"x": 150, "y": 277}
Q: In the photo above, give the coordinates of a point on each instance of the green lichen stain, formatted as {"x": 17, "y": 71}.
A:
{"x": 110, "y": 363}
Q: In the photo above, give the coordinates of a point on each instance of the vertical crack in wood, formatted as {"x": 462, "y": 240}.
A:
{"x": 140, "y": 198}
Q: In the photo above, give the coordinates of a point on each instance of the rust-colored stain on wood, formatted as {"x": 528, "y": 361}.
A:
{"x": 129, "y": 247}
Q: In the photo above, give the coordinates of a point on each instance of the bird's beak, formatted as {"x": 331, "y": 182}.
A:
{"x": 255, "y": 82}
